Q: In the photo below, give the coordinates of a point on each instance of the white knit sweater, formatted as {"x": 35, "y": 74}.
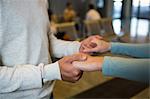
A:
{"x": 23, "y": 46}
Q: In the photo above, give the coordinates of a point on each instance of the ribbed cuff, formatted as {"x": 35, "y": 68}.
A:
{"x": 51, "y": 72}
{"x": 106, "y": 66}
{"x": 115, "y": 47}
{"x": 76, "y": 46}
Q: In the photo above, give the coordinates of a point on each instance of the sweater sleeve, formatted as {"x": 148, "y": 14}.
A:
{"x": 135, "y": 50}
{"x": 25, "y": 77}
{"x": 60, "y": 48}
{"x": 132, "y": 69}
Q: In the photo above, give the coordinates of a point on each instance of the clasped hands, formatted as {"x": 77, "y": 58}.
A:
{"x": 72, "y": 67}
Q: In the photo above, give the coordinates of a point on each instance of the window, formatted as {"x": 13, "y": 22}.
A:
{"x": 117, "y": 8}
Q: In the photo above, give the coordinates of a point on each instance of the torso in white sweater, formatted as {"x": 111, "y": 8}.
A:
{"x": 23, "y": 40}
{"x": 24, "y": 26}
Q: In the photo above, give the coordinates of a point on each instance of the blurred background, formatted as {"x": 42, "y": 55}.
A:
{"x": 115, "y": 20}
{"x": 128, "y": 15}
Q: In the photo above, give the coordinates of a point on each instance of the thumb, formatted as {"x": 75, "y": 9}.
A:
{"x": 87, "y": 50}
{"x": 78, "y": 57}
{"x": 98, "y": 37}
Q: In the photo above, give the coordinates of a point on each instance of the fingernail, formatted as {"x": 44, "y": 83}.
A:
{"x": 84, "y": 57}
{"x": 84, "y": 51}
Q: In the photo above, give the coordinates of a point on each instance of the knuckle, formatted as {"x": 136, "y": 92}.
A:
{"x": 76, "y": 79}
{"x": 76, "y": 73}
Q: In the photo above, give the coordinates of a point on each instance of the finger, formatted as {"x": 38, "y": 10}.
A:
{"x": 81, "y": 49}
{"x": 90, "y": 50}
{"x": 85, "y": 48}
{"x": 77, "y": 72}
{"x": 93, "y": 44}
{"x": 78, "y": 77}
{"x": 81, "y": 65}
{"x": 96, "y": 43}
{"x": 87, "y": 45}
{"x": 77, "y": 57}
{"x": 98, "y": 37}
{"x": 86, "y": 66}
{"x": 81, "y": 73}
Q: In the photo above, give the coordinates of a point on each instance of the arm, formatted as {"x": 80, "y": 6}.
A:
{"x": 24, "y": 77}
{"x": 132, "y": 69}
{"x": 135, "y": 50}
{"x": 62, "y": 48}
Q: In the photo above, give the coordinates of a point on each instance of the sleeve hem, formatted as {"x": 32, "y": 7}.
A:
{"x": 26, "y": 77}
{"x": 51, "y": 72}
{"x": 106, "y": 66}
{"x": 76, "y": 46}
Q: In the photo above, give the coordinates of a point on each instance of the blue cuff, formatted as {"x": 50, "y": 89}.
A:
{"x": 106, "y": 66}
{"x": 114, "y": 47}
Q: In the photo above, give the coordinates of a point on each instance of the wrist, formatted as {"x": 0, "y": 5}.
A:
{"x": 99, "y": 62}
{"x": 51, "y": 72}
{"x": 109, "y": 47}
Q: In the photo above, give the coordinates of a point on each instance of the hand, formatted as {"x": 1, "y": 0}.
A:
{"x": 99, "y": 46}
{"x": 88, "y": 44}
{"x": 68, "y": 71}
{"x": 91, "y": 64}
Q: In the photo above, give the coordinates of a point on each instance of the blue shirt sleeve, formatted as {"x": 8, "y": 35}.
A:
{"x": 128, "y": 68}
{"x": 135, "y": 50}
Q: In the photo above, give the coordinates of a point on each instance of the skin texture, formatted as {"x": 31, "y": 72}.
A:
{"x": 72, "y": 67}
{"x": 87, "y": 44}
{"x": 94, "y": 44}
{"x": 91, "y": 64}
{"x": 68, "y": 71}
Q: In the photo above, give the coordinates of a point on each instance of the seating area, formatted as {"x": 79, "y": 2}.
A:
{"x": 101, "y": 27}
{"x": 69, "y": 29}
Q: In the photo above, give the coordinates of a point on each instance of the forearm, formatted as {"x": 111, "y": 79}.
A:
{"x": 22, "y": 77}
{"x": 60, "y": 48}
{"x": 132, "y": 69}
{"x": 135, "y": 50}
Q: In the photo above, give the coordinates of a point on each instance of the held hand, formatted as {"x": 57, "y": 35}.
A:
{"x": 88, "y": 44}
{"x": 68, "y": 71}
{"x": 99, "y": 46}
{"x": 91, "y": 64}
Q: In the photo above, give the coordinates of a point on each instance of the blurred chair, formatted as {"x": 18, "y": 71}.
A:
{"x": 69, "y": 29}
{"x": 106, "y": 27}
{"x": 92, "y": 27}
{"x": 101, "y": 27}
